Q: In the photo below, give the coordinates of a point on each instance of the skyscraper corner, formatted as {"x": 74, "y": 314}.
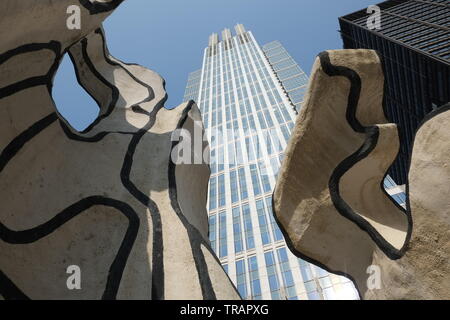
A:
{"x": 248, "y": 95}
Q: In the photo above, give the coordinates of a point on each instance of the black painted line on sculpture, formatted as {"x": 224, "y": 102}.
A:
{"x": 194, "y": 235}
{"x": 195, "y": 238}
{"x": 22, "y": 85}
{"x": 356, "y": 125}
{"x": 428, "y": 117}
{"x": 207, "y": 245}
{"x": 35, "y": 234}
{"x": 370, "y": 143}
{"x": 140, "y": 110}
{"x": 433, "y": 114}
{"x": 371, "y": 140}
{"x": 151, "y": 93}
{"x": 79, "y": 79}
{"x": 33, "y": 81}
{"x": 117, "y": 267}
{"x": 114, "y": 90}
{"x": 138, "y": 136}
{"x": 52, "y": 72}
{"x": 136, "y": 108}
{"x": 54, "y": 46}
{"x": 18, "y": 142}
{"x": 158, "y": 286}
{"x": 391, "y": 199}
{"x": 408, "y": 211}
{"x": 10, "y": 151}
{"x": 409, "y": 217}
{"x": 355, "y": 89}
{"x": 342, "y": 206}
{"x": 67, "y": 129}
{"x": 96, "y": 7}
{"x": 157, "y": 261}
{"x": 94, "y": 139}
{"x": 96, "y": 74}
{"x": 9, "y": 290}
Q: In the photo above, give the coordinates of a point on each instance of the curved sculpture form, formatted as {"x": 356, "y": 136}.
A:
{"x": 109, "y": 200}
{"x": 330, "y": 200}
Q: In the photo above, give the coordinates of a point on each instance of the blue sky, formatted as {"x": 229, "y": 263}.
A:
{"x": 169, "y": 36}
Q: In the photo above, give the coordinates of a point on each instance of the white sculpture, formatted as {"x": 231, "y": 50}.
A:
{"x": 330, "y": 200}
{"x": 107, "y": 205}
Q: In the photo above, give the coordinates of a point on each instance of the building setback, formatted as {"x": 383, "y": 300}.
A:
{"x": 414, "y": 45}
{"x": 248, "y": 96}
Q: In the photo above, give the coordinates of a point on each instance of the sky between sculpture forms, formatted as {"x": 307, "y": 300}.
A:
{"x": 172, "y": 49}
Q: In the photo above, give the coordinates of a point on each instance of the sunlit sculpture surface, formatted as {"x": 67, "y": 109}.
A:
{"x": 110, "y": 200}
{"x": 330, "y": 201}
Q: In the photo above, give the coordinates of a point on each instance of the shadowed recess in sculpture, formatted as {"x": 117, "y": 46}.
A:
{"x": 356, "y": 185}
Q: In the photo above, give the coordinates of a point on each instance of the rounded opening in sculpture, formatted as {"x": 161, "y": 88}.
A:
{"x": 73, "y": 102}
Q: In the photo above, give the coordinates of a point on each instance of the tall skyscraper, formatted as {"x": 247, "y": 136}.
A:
{"x": 248, "y": 96}
{"x": 413, "y": 40}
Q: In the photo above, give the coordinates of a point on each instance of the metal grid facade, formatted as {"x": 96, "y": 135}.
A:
{"x": 414, "y": 44}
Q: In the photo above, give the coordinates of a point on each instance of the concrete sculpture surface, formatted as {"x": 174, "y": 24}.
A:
{"x": 330, "y": 200}
{"x": 110, "y": 200}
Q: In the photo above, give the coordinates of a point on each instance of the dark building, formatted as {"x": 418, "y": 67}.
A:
{"x": 414, "y": 44}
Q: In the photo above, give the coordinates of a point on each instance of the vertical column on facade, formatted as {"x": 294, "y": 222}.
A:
{"x": 259, "y": 246}
{"x": 230, "y": 234}
{"x": 277, "y": 128}
{"x": 241, "y": 166}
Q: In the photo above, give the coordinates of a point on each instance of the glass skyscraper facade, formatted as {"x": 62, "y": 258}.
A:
{"x": 248, "y": 96}
{"x": 294, "y": 81}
